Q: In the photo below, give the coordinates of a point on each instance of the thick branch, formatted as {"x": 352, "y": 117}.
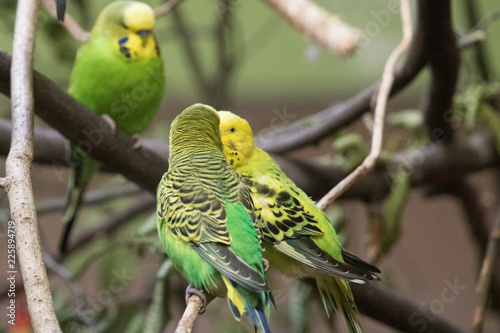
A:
{"x": 434, "y": 163}
{"x": 18, "y": 166}
{"x": 325, "y": 29}
{"x": 444, "y": 60}
{"x": 397, "y": 312}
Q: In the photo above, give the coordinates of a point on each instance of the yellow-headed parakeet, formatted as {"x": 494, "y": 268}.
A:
{"x": 297, "y": 236}
{"x": 203, "y": 218}
{"x": 118, "y": 71}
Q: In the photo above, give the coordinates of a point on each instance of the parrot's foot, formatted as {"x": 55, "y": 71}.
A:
{"x": 190, "y": 291}
{"x": 138, "y": 142}
{"x": 111, "y": 123}
{"x": 265, "y": 263}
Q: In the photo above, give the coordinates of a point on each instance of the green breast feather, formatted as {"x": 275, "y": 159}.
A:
{"x": 129, "y": 91}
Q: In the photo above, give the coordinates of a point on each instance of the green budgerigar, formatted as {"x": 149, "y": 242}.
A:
{"x": 204, "y": 221}
{"x": 297, "y": 236}
{"x": 118, "y": 72}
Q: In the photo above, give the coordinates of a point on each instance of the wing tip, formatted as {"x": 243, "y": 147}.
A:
{"x": 60, "y": 9}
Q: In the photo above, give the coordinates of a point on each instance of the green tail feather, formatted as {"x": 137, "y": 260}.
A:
{"x": 337, "y": 293}
{"x": 80, "y": 178}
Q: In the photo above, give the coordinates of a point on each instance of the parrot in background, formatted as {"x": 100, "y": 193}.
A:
{"x": 203, "y": 219}
{"x": 297, "y": 236}
{"x": 118, "y": 72}
{"x": 61, "y": 9}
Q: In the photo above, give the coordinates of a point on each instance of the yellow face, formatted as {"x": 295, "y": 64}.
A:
{"x": 134, "y": 31}
{"x": 237, "y": 138}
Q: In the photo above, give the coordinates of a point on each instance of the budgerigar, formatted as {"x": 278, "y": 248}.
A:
{"x": 203, "y": 218}
{"x": 297, "y": 236}
{"x": 118, "y": 71}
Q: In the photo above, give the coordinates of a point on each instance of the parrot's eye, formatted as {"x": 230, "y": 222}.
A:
{"x": 124, "y": 26}
{"x": 232, "y": 130}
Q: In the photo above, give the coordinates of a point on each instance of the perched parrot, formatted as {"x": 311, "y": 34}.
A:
{"x": 203, "y": 219}
{"x": 118, "y": 72}
{"x": 297, "y": 236}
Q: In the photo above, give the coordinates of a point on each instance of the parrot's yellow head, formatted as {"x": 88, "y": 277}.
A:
{"x": 130, "y": 25}
{"x": 237, "y": 138}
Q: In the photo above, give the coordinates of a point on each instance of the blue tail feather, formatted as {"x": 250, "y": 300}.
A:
{"x": 259, "y": 318}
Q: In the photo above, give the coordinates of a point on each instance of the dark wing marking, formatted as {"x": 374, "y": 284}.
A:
{"x": 355, "y": 261}
{"x": 61, "y": 9}
{"x": 306, "y": 251}
{"x": 230, "y": 265}
{"x": 191, "y": 212}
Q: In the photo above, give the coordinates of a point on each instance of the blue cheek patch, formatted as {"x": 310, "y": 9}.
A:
{"x": 123, "y": 48}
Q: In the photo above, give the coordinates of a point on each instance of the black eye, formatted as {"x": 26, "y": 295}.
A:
{"x": 232, "y": 130}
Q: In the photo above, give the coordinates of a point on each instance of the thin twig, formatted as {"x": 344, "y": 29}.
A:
{"x": 383, "y": 95}
{"x": 191, "y": 312}
{"x": 226, "y": 55}
{"x": 93, "y": 197}
{"x": 325, "y": 29}
{"x": 69, "y": 22}
{"x": 18, "y": 167}
{"x": 199, "y": 77}
{"x": 484, "y": 283}
{"x": 471, "y": 13}
{"x": 166, "y": 8}
{"x": 74, "y": 286}
{"x": 155, "y": 317}
{"x": 143, "y": 203}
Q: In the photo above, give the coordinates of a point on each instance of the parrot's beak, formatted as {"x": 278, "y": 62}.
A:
{"x": 144, "y": 34}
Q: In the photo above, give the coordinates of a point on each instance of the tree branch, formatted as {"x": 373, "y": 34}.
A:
{"x": 432, "y": 27}
{"x": 166, "y": 8}
{"x": 434, "y": 163}
{"x": 144, "y": 203}
{"x": 444, "y": 59}
{"x": 199, "y": 76}
{"x": 190, "y": 314}
{"x": 325, "y": 29}
{"x": 18, "y": 166}
{"x": 475, "y": 215}
{"x": 380, "y": 107}
{"x": 408, "y": 317}
{"x": 485, "y": 278}
{"x": 69, "y": 23}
